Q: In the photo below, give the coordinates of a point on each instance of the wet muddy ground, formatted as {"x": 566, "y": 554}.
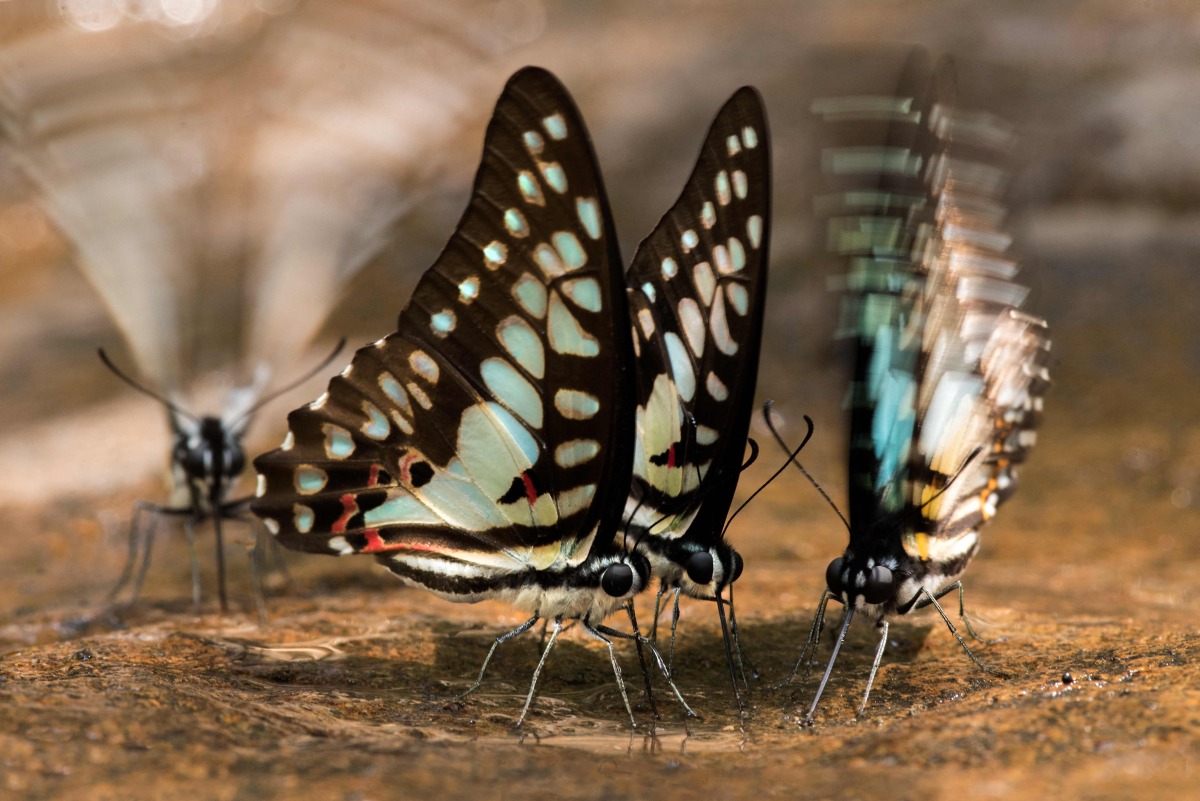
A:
{"x": 348, "y": 689}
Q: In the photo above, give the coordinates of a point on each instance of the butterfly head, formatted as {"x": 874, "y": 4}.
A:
{"x": 862, "y": 583}
{"x": 208, "y": 457}
{"x": 613, "y": 579}
{"x": 707, "y": 571}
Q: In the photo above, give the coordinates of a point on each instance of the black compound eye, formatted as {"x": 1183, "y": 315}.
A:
{"x": 194, "y": 463}
{"x": 736, "y": 565}
{"x": 879, "y": 585}
{"x": 617, "y": 580}
{"x": 833, "y": 576}
{"x": 700, "y": 567}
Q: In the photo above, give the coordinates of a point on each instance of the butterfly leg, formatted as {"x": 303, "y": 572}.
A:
{"x": 662, "y": 666}
{"x": 537, "y": 671}
{"x": 220, "y": 538}
{"x": 596, "y": 632}
{"x": 503, "y": 638}
{"x": 737, "y": 644}
{"x": 883, "y": 626}
{"x": 729, "y": 661}
{"x": 674, "y": 630}
{"x": 807, "y": 720}
{"x": 261, "y": 552}
{"x": 810, "y": 645}
{"x": 923, "y": 599}
{"x": 189, "y": 528}
{"x": 139, "y": 537}
{"x": 962, "y": 613}
{"x": 642, "y": 658}
{"x": 658, "y": 596}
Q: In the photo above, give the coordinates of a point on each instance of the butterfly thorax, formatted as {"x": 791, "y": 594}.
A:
{"x": 688, "y": 565}
{"x": 206, "y": 461}
{"x": 887, "y": 567}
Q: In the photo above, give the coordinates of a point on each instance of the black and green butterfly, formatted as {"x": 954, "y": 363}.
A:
{"x": 486, "y": 449}
{"x": 697, "y": 287}
{"x": 948, "y": 372}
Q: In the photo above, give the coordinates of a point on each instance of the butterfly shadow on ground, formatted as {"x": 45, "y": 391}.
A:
{"x": 576, "y": 685}
{"x": 916, "y": 669}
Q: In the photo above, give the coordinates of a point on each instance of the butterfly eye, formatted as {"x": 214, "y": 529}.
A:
{"x": 879, "y": 585}
{"x": 194, "y": 462}
{"x": 617, "y": 580}
{"x": 735, "y": 570}
{"x": 700, "y": 567}
{"x": 833, "y": 576}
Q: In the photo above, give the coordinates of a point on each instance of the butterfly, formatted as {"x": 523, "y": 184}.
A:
{"x": 697, "y": 287}
{"x": 949, "y": 374}
{"x": 211, "y": 184}
{"x": 486, "y": 448}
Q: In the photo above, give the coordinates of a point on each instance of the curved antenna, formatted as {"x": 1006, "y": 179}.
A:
{"x": 961, "y": 469}
{"x": 645, "y": 532}
{"x": 119, "y": 373}
{"x": 263, "y": 401}
{"x": 775, "y": 475}
{"x": 628, "y": 524}
{"x": 753, "y": 455}
{"x": 766, "y": 411}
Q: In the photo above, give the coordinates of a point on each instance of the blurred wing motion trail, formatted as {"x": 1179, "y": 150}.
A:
{"x": 220, "y": 182}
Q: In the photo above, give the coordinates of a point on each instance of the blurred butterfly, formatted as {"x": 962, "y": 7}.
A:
{"x": 697, "y": 286}
{"x": 220, "y": 185}
{"x": 948, "y": 373}
{"x": 486, "y": 448}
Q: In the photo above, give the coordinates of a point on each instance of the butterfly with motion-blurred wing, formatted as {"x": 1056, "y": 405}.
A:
{"x": 949, "y": 374}
{"x": 697, "y": 286}
{"x": 207, "y": 201}
{"x": 487, "y": 448}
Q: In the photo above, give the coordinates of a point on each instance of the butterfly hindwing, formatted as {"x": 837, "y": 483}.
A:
{"x": 483, "y": 437}
{"x": 697, "y": 286}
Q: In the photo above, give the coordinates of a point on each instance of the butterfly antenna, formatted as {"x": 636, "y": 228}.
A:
{"x": 753, "y": 454}
{"x": 119, "y": 373}
{"x": 629, "y": 524}
{"x": 786, "y": 449}
{"x": 263, "y": 401}
{"x": 648, "y": 529}
{"x": 961, "y": 469}
{"x": 775, "y": 475}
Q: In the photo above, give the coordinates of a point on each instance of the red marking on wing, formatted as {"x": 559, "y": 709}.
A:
{"x": 405, "y": 476}
{"x": 349, "y": 509}
{"x": 373, "y": 477}
{"x": 375, "y": 544}
{"x": 671, "y": 456}
{"x": 530, "y": 492}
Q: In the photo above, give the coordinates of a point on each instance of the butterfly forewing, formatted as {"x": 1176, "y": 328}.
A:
{"x": 948, "y": 375}
{"x": 488, "y": 429}
{"x": 881, "y": 221}
{"x": 696, "y": 288}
